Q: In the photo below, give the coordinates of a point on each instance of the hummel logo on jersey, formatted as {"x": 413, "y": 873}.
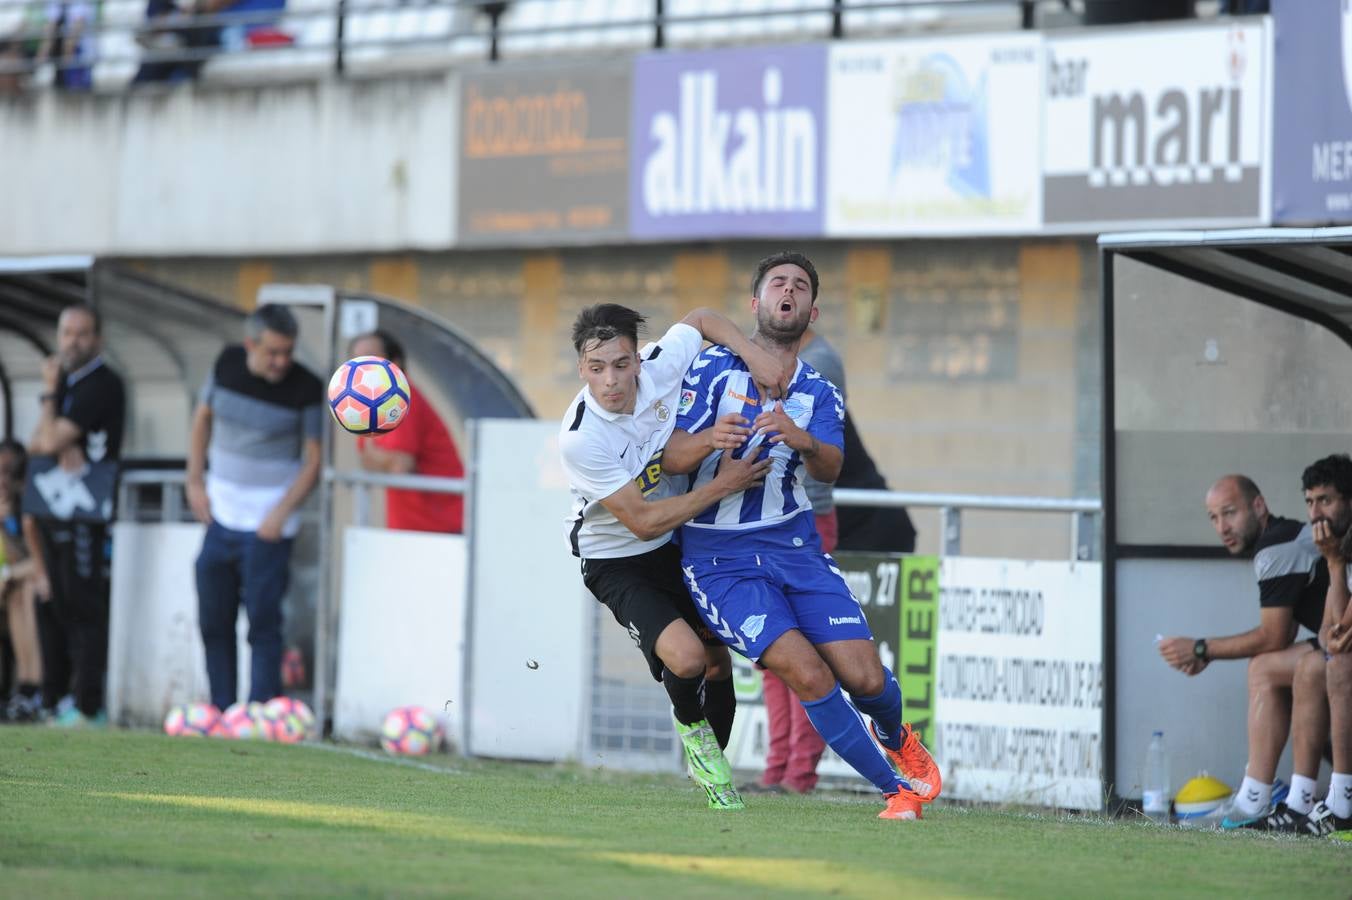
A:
{"x": 843, "y": 620}
{"x": 753, "y": 626}
{"x": 633, "y": 633}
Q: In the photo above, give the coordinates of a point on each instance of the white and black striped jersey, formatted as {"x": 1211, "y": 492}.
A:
{"x": 602, "y": 451}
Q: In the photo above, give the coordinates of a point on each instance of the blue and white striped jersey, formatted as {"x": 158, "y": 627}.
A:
{"x": 719, "y": 383}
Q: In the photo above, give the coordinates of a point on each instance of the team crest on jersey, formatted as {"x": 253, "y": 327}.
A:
{"x": 663, "y": 411}
{"x": 753, "y": 626}
{"x": 651, "y": 476}
{"x": 687, "y": 401}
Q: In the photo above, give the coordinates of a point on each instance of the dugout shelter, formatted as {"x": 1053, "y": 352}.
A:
{"x": 163, "y": 339}
{"x": 1223, "y": 351}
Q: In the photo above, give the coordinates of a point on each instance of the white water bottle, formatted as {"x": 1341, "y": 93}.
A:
{"x": 1155, "y": 784}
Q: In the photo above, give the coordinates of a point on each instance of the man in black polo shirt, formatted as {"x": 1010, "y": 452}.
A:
{"x": 1292, "y": 582}
{"x": 80, "y": 432}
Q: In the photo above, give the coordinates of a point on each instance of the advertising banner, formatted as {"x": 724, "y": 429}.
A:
{"x": 934, "y": 136}
{"x": 1312, "y": 113}
{"x": 543, "y": 155}
{"x": 1157, "y": 127}
{"x": 1020, "y": 682}
{"x": 728, "y": 143}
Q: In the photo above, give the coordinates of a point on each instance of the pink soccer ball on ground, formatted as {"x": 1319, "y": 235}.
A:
{"x": 411, "y": 731}
{"x": 191, "y": 720}
{"x": 288, "y": 720}
{"x": 242, "y": 722}
{"x": 368, "y": 395}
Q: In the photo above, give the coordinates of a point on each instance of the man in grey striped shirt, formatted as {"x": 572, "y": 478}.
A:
{"x": 253, "y": 458}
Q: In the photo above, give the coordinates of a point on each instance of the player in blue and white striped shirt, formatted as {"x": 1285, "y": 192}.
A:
{"x": 753, "y": 561}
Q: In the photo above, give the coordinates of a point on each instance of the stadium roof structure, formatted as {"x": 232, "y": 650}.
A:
{"x": 163, "y": 338}
{"x": 1306, "y": 272}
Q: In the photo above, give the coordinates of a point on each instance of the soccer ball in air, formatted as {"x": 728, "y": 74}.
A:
{"x": 242, "y": 721}
{"x": 191, "y": 720}
{"x": 410, "y": 730}
{"x": 368, "y": 395}
{"x": 288, "y": 720}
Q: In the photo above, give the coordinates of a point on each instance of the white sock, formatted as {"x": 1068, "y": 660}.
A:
{"x": 1340, "y": 795}
{"x": 1253, "y": 797}
{"x": 1301, "y": 798}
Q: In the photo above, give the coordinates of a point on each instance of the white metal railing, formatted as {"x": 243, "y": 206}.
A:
{"x": 1084, "y": 511}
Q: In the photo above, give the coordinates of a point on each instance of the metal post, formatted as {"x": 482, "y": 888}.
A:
{"x": 326, "y": 622}
{"x": 361, "y": 505}
{"x": 837, "y": 19}
{"x": 659, "y": 32}
{"x": 339, "y": 61}
{"x": 950, "y": 526}
{"x": 1083, "y": 536}
{"x": 171, "y": 496}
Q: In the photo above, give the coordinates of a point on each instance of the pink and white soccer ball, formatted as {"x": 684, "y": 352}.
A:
{"x": 242, "y": 721}
{"x": 191, "y": 720}
{"x": 410, "y": 730}
{"x": 288, "y": 720}
{"x": 368, "y": 395}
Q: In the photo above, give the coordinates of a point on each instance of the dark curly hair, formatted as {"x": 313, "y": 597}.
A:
{"x": 1335, "y": 470}
{"x": 606, "y": 321}
{"x": 784, "y": 257}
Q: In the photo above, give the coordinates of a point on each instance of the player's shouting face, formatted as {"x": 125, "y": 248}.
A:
{"x": 785, "y": 306}
{"x": 610, "y": 369}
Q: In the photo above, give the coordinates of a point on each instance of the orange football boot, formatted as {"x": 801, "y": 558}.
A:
{"x": 914, "y": 763}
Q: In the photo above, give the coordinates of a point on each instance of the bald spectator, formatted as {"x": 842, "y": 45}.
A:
{"x": 1293, "y": 578}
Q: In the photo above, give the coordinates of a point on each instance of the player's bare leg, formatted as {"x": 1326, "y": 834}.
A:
{"x": 1270, "y": 678}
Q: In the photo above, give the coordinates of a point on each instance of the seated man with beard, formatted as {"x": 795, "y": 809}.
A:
{"x": 1292, "y": 580}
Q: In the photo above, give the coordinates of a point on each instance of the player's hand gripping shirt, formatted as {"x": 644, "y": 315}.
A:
{"x": 602, "y": 451}
{"x": 719, "y": 383}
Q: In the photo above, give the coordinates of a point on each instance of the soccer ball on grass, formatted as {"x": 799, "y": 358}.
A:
{"x": 410, "y": 730}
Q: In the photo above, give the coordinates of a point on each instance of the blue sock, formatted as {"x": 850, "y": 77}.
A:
{"x": 884, "y": 710}
{"x": 840, "y": 726}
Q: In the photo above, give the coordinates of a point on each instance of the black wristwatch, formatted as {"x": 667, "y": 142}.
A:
{"x": 1199, "y": 649}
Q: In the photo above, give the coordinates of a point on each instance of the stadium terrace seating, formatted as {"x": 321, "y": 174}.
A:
{"x": 401, "y": 35}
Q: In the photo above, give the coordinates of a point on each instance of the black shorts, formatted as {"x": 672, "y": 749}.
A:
{"x": 645, "y": 594}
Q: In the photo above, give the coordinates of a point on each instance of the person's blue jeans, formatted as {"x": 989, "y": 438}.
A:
{"x": 237, "y": 567}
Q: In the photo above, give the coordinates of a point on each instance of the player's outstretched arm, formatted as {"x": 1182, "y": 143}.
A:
{"x": 652, "y": 520}
{"x": 767, "y": 371}
{"x": 685, "y": 451}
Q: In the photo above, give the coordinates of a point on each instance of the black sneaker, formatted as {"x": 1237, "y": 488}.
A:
{"x": 1321, "y": 822}
{"x": 23, "y": 710}
{"x": 1286, "y": 820}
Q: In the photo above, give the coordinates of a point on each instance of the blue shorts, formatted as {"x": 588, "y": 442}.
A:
{"x": 749, "y": 601}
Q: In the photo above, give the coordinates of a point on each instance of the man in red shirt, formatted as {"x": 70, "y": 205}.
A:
{"x": 421, "y": 445}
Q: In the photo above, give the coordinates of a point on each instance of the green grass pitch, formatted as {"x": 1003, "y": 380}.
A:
{"x": 90, "y": 814}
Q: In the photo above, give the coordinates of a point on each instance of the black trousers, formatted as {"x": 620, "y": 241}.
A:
{"x": 73, "y": 624}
